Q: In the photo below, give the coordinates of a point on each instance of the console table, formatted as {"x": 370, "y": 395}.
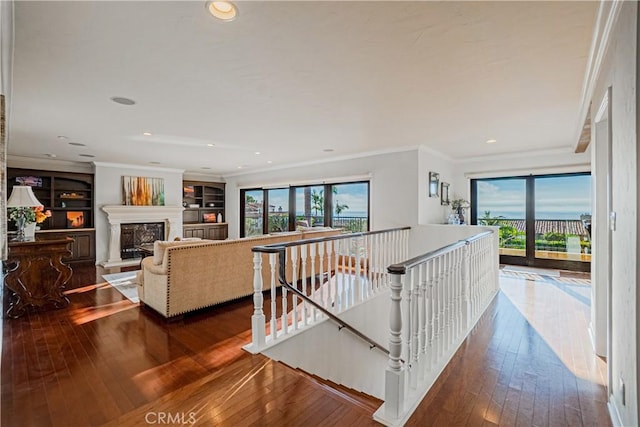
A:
{"x": 37, "y": 274}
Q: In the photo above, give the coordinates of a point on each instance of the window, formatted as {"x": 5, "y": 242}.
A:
{"x": 278, "y": 214}
{"x": 350, "y": 206}
{"x": 340, "y": 205}
{"x": 252, "y": 212}
{"x": 545, "y": 221}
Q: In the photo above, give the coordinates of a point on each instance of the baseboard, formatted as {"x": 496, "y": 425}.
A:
{"x": 614, "y": 414}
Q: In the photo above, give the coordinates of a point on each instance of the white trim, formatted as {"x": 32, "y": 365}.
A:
{"x": 127, "y": 166}
{"x": 24, "y": 162}
{"x": 583, "y": 167}
{"x": 429, "y": 150}
{"x": 614, "y": 414}
{"x": 318, "y": 181}
{"x": 516, "y": 155}
{"x": 603, "y": 112}
{"x": 327, "y": 160}
{"x": 599, "y": 44}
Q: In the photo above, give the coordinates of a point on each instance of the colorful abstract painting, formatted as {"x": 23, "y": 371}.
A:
{"x": 143, "y": 191}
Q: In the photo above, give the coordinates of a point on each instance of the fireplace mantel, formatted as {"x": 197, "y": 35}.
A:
{"x": 117, "y": 214}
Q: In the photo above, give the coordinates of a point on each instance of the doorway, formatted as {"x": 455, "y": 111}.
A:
{"x": 544, "y": 220}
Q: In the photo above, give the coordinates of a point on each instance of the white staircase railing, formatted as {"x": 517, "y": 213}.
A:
{"x": 335, "y": 272}
{"x": 436, "y": 299}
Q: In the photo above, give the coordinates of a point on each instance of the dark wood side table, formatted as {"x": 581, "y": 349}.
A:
{"x": 37, "y": 274}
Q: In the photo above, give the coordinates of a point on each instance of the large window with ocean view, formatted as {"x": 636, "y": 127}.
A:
{"x": 339, "y": 205}
{"x": 545, "y": 221}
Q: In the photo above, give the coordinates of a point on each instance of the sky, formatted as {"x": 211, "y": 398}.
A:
{"x": 565, "y": 197}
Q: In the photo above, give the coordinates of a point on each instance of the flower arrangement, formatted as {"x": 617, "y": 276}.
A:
{"x": 41, "y": 214}
{"x": 28, "y": 214}
{"x": 459, "y": 204}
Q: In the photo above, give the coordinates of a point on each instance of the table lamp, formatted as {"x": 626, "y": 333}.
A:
{"x": 21, "y": 198}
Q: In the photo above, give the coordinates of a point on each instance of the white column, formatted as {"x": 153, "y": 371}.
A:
{"x": 114, "y": 243}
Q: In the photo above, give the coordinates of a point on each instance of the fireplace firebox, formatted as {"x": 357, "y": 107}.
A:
{"x": 134, "y": 235}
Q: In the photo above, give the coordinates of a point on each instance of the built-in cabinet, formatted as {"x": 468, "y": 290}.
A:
{"x": 69, "y": 196}
{"x": 204, "y": 215}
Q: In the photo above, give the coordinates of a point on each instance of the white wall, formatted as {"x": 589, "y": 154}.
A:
{"x": 108, "y": 191}
{"x": 427, "y": 238}
{"x": 619, "y": 71}
{"x": 430, "y": 209}
{"x": 394, "y": 186}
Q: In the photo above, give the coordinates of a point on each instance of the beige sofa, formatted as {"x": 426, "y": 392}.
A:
{"x": 187, "y": 276}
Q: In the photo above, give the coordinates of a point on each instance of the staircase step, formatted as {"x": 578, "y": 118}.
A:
{"x": 362, "y": 400}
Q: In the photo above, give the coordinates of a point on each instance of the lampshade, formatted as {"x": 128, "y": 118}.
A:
{"x": 22, "y": 195}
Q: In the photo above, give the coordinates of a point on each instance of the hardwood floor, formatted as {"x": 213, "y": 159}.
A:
{"x": 106, "y": 361}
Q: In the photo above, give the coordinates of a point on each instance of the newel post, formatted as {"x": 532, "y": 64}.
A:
{"x": 394, "y": 375}
{"x": 258, "y": 319}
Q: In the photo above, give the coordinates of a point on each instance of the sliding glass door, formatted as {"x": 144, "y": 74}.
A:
{"x": 503, "y": 202}
{"x": 544, "y": 221}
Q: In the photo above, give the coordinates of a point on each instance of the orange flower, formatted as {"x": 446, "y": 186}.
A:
{"x": 41, "y": 215}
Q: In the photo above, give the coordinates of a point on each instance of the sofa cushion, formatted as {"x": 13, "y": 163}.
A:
{"x": 159, "y": 247}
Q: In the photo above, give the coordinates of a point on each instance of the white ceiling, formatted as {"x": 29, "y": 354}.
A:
{"x": 290, "y": 79}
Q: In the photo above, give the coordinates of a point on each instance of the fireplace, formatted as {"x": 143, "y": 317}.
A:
{"x": 134, "y": 235}
{"x": 120, "y": 216}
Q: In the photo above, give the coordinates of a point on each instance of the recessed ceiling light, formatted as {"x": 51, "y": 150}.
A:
{"x": 269, "y": 161}
{"x": 223, "y": 10}
{"x": 154, "y": 163}
{"x": 147, "y": 133}
{"x": 78, "y": 144}
{"x": 239, "y": 167}
{"x": 122, "y": 100}
{"x": 86, "y": 155}
{"x": 328, "y": 150}
{"x": 62, "y": 137}
{"x": 491, "y": 141}
{"x": 210, "y": 145}
{"x": 257, "y": 152}
{"x": 51, "y": 155}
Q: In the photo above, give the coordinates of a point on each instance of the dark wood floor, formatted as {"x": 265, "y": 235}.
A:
{"x": 104, "y": 360}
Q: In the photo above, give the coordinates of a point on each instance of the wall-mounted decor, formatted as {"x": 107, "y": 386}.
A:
{"x": 434, "y": 184}
{"x": 143, "y": 191}
{"x": 444, "y": 193}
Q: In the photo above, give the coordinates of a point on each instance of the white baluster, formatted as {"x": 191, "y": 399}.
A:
{"x": 422, "y": 319}
{"x": 303, "y": 281}
{"x": 359, "y": 294}
{"x": 273, "y": 323}
{"x": 257, "y": 320}
{"x": 284, "y": 325}
{"x": 415, "y": 325}
{"x": 294, "y": 282}
{"x": 431, "y": 310}
{"x": 322, "y": 288}
{"x": 312, "y": 256}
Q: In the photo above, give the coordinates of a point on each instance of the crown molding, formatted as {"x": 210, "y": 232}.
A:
{"x": 516, "y": 155}
{"x": 199, "y": 176}
{"x": 371, "y": 153}
{"x": 127, "y": 166}
{"x": 24, "y": 162}
{"x": 605, "y": 21}
{"x": 429, "y": 150}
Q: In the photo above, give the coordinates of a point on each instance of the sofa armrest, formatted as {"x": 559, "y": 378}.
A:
{"x": 147, "y": 264}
